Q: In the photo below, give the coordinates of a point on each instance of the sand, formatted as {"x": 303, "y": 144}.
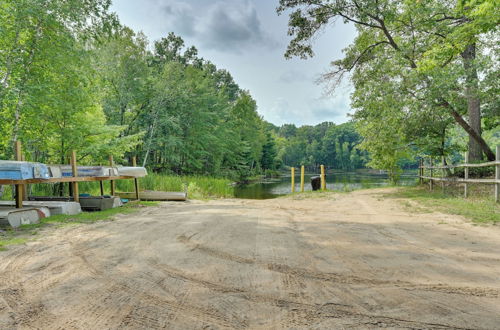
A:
{"x": 354, "y": 260}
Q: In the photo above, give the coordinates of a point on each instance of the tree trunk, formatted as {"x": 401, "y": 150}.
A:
{"x": 482, "y": 143}
{"x": 473, "y": 102}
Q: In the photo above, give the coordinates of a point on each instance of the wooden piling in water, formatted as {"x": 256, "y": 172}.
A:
{"x": 323, "y": 179}
{"x": 302, "y": 173}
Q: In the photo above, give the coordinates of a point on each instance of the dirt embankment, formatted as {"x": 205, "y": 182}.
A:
{"x": 349, "y": 261}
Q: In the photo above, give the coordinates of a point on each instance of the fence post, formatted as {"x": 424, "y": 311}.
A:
{"x": 74, "y": 184}
{"x": 443, "y": 173}
{"x": 323, "y": 181}
{"x": 302, "y": 171}
{"x": 19, "y": 187}
{"x": 112, "y": 183}
{"x": 466, "y": 174}
{"x": 293, "y": 179}
{"x": 136, "y": 182}
{"x": 421, "y": 171}
{"x": 497, "y": 175}
{"x": 431, "y": 182}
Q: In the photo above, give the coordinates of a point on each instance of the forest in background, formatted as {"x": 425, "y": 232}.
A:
{"x": 73, "y": 78}
{"x": 425, "y": 73}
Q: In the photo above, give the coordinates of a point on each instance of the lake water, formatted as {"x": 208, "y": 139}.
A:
{"x": 336, "y": 181}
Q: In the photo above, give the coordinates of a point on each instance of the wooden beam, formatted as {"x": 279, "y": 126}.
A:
{"x": 466, "y": 175}
{"x": 66, "y": 179}
{"x": 493, "y": 163}
{"x": 112, "y": 182}
{"x": 489, "y": 181}
{"x": 19, "y": 186}
{"x": 497, "y": 175}
{"x": 74, "y": 170}
{"x": 136, "y": 181}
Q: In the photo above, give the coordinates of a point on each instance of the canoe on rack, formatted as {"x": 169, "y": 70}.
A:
{"x": 14, "y": 170}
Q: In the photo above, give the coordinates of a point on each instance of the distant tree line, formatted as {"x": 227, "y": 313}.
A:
{"x": 335, "y": 146}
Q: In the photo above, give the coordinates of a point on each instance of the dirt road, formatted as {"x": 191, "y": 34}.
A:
{"x": 346, "y": 261}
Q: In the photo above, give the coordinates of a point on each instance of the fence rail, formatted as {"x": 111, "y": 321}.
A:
{"x": 443, "y": 178}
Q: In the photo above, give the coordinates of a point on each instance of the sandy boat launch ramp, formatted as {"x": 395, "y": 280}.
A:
{"x": 354, "y": 260}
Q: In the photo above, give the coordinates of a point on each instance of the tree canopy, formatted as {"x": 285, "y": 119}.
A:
{"x": 418, "y": 68}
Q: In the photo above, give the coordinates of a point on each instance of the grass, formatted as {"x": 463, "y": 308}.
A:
{"x": 12, "y": 236}
{"x": 478, "y": 209}
{"x": 197, "y": 187}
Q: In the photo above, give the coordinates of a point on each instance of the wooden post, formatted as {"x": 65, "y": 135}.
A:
{"x": 74, "y": 169}
{"x": 101, "y": 185}
{"x": 25, "y": 186}
{"x": 466, "y": 174}
{"x": 431, "y": 182}
{"x": 136, "y": 182}
{"x": 421, "y": 171}
{"x": 19, "y": 188}
{"x": 497, "y": 176}
{"x": 443, "y": 173}
{"x": 323, "y": 181}
{"x": 112, "y": 183}
{"x": 302, "y": 172}
{"x": 293, "y": 179}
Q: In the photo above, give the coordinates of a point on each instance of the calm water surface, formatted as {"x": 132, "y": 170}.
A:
{"x": 337, "y": 181}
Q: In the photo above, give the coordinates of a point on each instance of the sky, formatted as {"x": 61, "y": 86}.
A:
{"x": 249, "y": 39}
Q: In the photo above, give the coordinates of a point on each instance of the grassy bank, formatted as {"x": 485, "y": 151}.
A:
{"x": 197, "y": 187}
{"x": 481, "y": 209}
{"x": 11, "y": 236}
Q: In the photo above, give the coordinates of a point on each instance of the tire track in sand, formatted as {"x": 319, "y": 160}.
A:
{"x": 338, "y": 278}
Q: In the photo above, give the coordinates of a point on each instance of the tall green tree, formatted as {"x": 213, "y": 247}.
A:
{"x": 404, "y": 35}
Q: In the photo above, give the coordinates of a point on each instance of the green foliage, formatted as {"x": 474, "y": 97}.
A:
{"x": 417, "y": 67}
{"x": 335, "y": 146}
{"x": 73, "y": 78}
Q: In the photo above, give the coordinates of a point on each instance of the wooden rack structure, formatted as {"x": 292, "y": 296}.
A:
{"x": 20, "y": 185}
{"x": 466, "y": 179}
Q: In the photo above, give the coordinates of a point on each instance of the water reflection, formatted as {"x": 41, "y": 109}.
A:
{"x": 337, "y": 181}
